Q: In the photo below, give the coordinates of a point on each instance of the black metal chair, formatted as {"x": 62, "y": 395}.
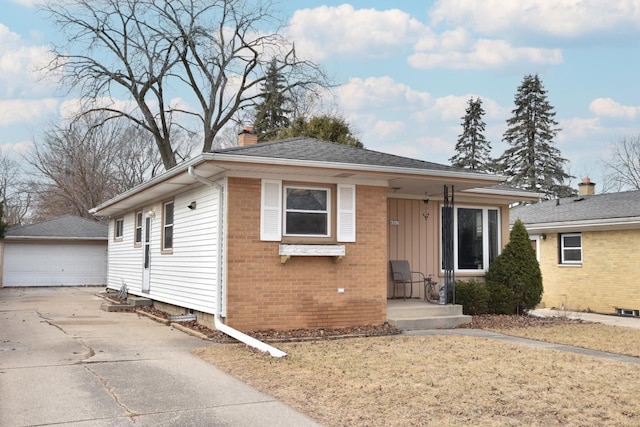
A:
{"x": 402, "y": 275}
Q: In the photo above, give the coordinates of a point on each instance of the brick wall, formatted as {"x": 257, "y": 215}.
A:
{"x": 608, "y": 278}
{"x": 262, "y": 293}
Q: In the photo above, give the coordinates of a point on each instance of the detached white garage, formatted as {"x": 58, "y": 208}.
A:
{"x": 64, "y": 251}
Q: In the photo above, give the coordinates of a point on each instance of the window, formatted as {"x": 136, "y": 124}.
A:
{"x": 138, "y": 235}
{"x": 571, "y": 248}
{"x": 307, "y": 211}
{"x": 119, "y": 228}
{"x": 167, "y": 226}
{"x": 476, "y": 237}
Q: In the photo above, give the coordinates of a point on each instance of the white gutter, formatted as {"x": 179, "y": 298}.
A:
{"x": 234, "y": 333}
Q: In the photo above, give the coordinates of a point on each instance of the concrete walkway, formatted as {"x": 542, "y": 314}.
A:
{"x": 63, "y": 361}
{"x": 627, "y": 322}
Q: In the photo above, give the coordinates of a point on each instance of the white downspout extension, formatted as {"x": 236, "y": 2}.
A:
{"x": 234, "y": 333}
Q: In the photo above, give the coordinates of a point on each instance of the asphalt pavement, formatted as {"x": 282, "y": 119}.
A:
{"x": 63, "y": 361}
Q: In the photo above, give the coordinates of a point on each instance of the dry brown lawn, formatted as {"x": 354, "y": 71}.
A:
{"x": 447, "y": 380}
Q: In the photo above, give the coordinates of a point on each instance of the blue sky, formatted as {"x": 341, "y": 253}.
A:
{"x": 407, "y": 69}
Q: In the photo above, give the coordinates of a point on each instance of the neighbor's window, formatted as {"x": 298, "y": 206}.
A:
{"x": 571, "y": 248}
{"x": 476, "y": 237}
{"x": 119, "y": 228}
{"x": 138, "y": 236}
{"x": 306, "y": 211}
{"x": 167, "y": 225}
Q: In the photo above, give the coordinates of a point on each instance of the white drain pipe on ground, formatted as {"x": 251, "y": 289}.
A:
{"x": 234, "y": 333}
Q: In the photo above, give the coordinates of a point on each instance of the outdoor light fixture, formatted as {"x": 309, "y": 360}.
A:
{"x": 543, "y": 236}
{"x": 192, "y": 205}
{"x": 151, "y": 213}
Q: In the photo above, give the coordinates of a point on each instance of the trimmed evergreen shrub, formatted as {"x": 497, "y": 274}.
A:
{"x": 514, "y": 278}
{"x": 473, "y": 296}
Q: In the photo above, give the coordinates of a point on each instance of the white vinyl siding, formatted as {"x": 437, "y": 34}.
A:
{"x": 187, "y": 277}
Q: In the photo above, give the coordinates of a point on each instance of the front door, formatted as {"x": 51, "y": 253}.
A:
{"x": 147, "y": 254}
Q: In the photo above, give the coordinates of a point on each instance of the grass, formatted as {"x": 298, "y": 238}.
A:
{"x": 446, "y": 380}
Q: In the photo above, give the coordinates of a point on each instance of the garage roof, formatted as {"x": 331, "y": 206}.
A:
{"x": 63, "y": 227}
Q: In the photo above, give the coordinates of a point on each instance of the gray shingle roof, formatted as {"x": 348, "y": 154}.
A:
{"x": 66, "y": 227}
{"x": 331, "y": 152}
{"x": 580, "y": 208}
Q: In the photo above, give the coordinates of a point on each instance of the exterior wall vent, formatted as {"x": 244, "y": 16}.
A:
{"x": 629, "y": 312}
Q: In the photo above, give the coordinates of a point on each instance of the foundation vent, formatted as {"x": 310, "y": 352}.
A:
{"x": 628, "y": 312}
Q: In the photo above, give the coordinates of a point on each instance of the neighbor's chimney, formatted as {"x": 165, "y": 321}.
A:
{"x": 586, "y": 187}
{"x": 247, "y": 137}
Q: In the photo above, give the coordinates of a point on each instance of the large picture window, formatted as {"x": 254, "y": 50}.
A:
{"x": 476, "y": 237}
{"x": 571, "y": 248}
{"x": 307, "y": 211}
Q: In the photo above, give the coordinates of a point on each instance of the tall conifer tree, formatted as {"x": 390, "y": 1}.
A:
{"x": 533, "y": 162}
{"x": 472, "y": 149}
{"x": 271, "y": 113}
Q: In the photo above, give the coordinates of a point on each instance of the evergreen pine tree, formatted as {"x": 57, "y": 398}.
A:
{"x": 472, "y": 149}
{"x": 533, "y": 162}
{"x": 271, "y": 112}
{"x": 514, "y": 279}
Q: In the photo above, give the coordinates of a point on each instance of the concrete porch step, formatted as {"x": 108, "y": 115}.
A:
{"x": 417, "y": 314}
{"x": 139, "y": 301}
{"x": 112, "y": 307}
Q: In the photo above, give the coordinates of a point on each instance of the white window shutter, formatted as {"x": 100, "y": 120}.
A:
{"x": 271, "y": 210}
{"x": 346, "y": 221}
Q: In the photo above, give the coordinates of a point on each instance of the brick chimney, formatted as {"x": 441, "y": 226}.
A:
{"x": 247, "y": 137}
{"x": 586, "y": 187}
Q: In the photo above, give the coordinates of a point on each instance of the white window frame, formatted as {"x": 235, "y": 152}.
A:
{"x": 272, "y": 211}
{"x": 285, "y": 210}
{"x": 562, "y": 248}
{"x": 118, "y": 225}
{"x": 166, "y": 225}
{"x": 138, "y": 227}
{"x": 485, "y": 237}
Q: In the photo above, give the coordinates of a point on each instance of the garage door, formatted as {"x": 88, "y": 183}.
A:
{"x": 54, "y": 264}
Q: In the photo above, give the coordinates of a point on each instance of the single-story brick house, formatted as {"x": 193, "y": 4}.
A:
{"x": 297, "y": 233}
{"x": 585, "y": 245}
{"x": 64, "y": 251}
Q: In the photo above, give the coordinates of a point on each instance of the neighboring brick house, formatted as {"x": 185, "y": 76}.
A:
{"x": 295, "y": 233}
{"x": 586, "y": 247}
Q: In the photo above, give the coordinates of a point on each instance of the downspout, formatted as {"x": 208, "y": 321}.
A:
{"x": 234, "y": 333}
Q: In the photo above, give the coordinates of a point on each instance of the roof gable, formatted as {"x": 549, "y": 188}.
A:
{"x": 64, "y": 227}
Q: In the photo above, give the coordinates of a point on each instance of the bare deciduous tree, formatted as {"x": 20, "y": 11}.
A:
{"x": 211, "y": 53}
{"x": 623, "y": 166}
{"x": 87, "y": 162}
{"x": 16, "y": 201}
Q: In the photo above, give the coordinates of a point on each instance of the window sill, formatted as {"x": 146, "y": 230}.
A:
{"x": 570, "y": 265}
{"x": 287, "y": 251}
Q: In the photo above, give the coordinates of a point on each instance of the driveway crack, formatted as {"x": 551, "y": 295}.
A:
{"x": 112, "y": 393}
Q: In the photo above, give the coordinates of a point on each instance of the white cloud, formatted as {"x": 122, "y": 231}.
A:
{"x": 385, "y": 129}
{"x": 71, "y": 107}
{"x": 20, "y": 64}
{"x": 379, "y": 92}
{"x": 607, "y": 107}
{"x": 557, "y": 18}
{"x": 25, "y": 110}
{"x": 326, "y": 31}
{"x": 457, "y": 50}
{"x": 578, "y": 128}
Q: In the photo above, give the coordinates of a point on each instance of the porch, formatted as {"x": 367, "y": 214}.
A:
{"x": 414, "y": 314}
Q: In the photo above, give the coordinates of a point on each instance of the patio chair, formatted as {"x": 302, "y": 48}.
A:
{"x": 402, "y": 275}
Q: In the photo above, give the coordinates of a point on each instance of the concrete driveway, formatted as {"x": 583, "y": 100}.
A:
{"x": 64, "y": 361}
